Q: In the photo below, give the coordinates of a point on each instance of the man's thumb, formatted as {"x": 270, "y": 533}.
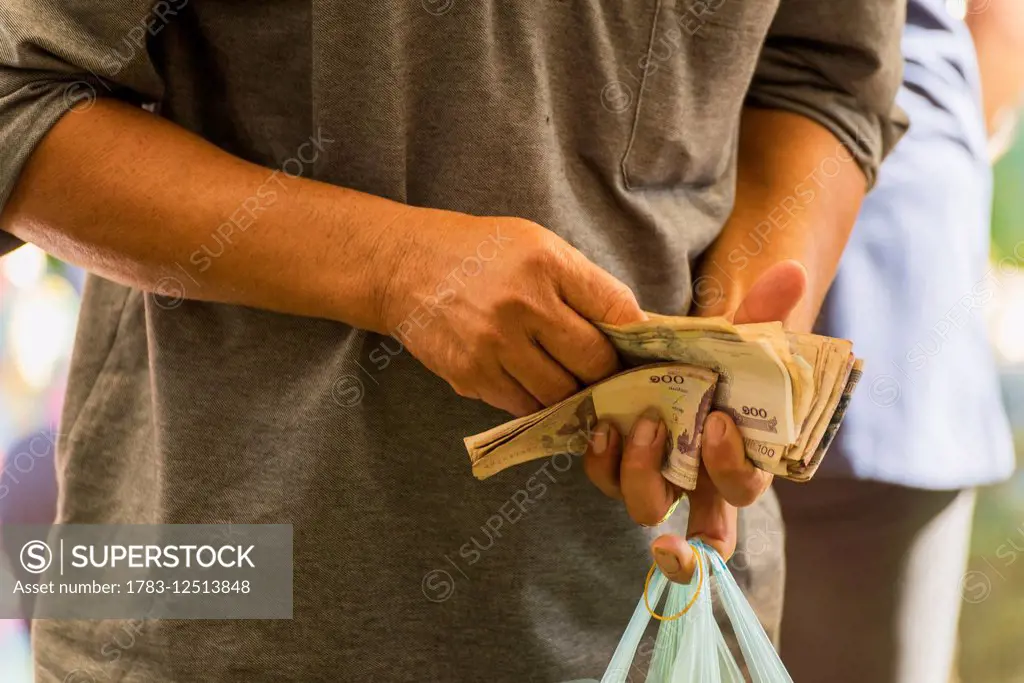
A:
{"x": 598, "y": 296}
{"x": 775, "y": 294}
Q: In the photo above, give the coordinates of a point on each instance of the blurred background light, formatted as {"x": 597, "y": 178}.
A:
{"x": 41, "y": 330}
{"x": 1005, "y": 316}
{"x": 24, "y": 267}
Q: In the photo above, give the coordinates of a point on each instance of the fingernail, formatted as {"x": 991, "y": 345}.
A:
{"x": 646, "y": 428}
{"x": 667, "y": 562}
{"x": 714, "y": 428}
{"x": 600, "y": 440}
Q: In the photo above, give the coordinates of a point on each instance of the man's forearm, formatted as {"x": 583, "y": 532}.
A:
{"x": 798, "y": 193}
{"x": 143, "y": 202}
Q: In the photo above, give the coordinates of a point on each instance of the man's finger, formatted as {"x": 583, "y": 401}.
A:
{"x": 534, "y": 369}
{"x": 712, "y": 518}
{"x": 724, "y": 456}
{"x": 602, "y": 458}
{"x": 647, "y": 494}
{"x": 596, "y": 295}
{"x": 577, "y": 345}
{"x": 502, "y": 391}
{"x": 675, "y": 558}
{"x": 775, "y": 293}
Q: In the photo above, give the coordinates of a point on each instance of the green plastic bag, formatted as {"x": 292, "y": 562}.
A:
{"x": 691, "y": 648}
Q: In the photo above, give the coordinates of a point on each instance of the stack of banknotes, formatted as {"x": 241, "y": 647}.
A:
{"x": 787, "y": 392}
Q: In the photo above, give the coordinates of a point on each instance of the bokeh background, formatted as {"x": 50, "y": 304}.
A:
{"x": 992, "y": 623}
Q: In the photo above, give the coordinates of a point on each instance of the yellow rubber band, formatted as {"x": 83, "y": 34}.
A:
{"x": 696, "y": 594}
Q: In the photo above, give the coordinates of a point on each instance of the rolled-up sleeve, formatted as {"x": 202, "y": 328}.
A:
{"x": 837, "y": 62}
{"x": 58, "y": 56}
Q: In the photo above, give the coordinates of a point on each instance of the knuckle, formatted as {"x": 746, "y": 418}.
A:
{"x": 464, "y": 369}
{"x": 620, "y": 304}
{"x": 550, "y": 255}
{"x": 488, "y": 335}
{"x": 513, "y": 306}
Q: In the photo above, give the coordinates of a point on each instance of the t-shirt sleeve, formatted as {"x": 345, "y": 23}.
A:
{"x": 57, "y": 57}
{"x": 837, "y": 62}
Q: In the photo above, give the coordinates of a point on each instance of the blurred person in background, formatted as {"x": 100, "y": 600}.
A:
{"x": 877, "y": 547}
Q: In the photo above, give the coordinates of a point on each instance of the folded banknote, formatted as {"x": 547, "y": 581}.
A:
{"x": 787, "y": 393}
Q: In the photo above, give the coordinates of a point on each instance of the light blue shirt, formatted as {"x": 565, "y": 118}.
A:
{"x": 913, "y": 283}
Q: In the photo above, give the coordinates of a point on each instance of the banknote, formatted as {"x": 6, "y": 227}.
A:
{"x": 787, "y": 393}
{"x": 754, "y": 386}
{"x": 564, "y": 428}
{"x": 833, "y": 363}
{"x": 682, "y": 394}
{"x": 805, "y": 472}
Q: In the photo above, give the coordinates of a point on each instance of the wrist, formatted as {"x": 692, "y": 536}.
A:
{"x": 357, "y": 257}
{"x": 400, "y": 268}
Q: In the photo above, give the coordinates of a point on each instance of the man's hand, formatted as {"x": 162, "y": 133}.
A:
{"x": 630, "y": 469}
{"x": 799, "y": 234}
{"x": 502, "y": 309}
